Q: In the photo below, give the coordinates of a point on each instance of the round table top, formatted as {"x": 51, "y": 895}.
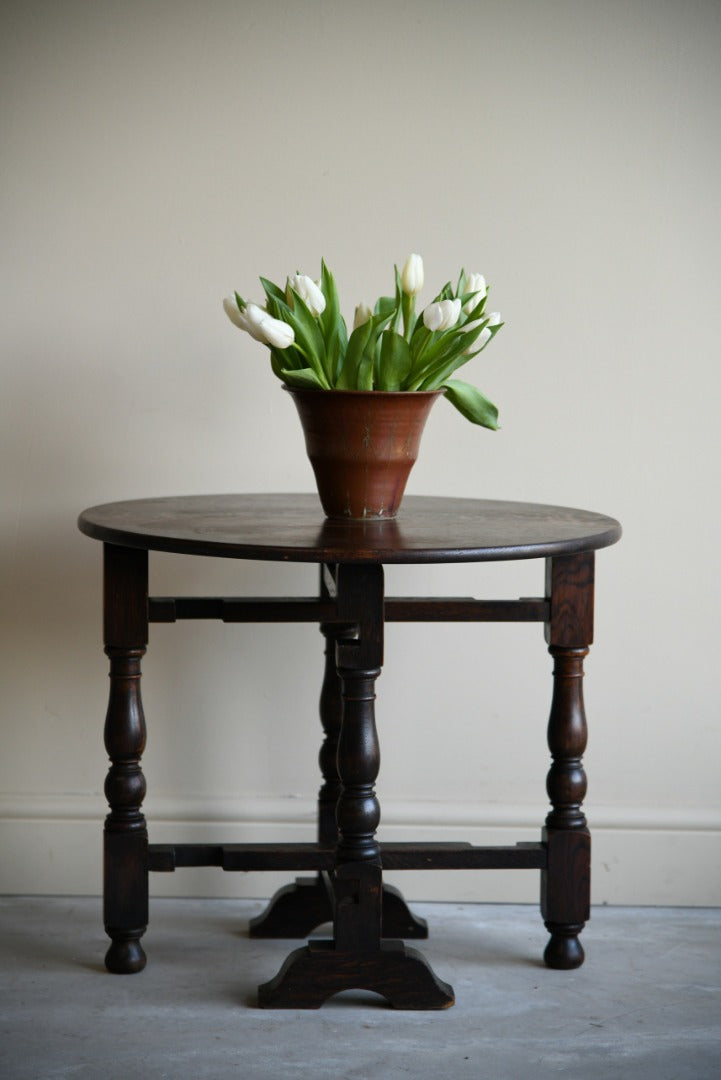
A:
{"x": 292, "y": 528}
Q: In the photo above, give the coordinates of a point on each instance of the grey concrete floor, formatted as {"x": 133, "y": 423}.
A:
{"x": 647, "y": 1003}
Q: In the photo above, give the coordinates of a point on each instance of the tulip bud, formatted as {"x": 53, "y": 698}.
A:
{"x": 276, "y": 332}
{"x": 248, "y": 318}
{"x": 476, "y": 284}
{"x": 494, "y": 319}
{"x": 258, "y": 323}
{"x": 412, "y": 275}
{"x": 442, "y": 315}
{"x": 362, "y": 315}
{"x": 308, "y": 291}
{"x": 254, "y": 318}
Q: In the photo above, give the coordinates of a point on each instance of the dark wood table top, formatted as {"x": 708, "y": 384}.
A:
{"x": 292, "y": 528}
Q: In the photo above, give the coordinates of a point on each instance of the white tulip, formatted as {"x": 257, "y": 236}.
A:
{"x": 259, "y": 324}
{"x": 494, "y": 319}
{"x": 308, "y": 291}
{"x": 476, "y": 284}
{"x": 248, "y": 319}
{"x": 442, "y": 315}
{"x": 255, "y": 317}
{"x": 362, "y": 314}
{"x": 412, "y": 275}
{"x": 276, "y": 332}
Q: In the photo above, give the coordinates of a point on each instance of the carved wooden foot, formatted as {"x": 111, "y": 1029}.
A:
{"x": 565, "y": 890}
{"x": 564, "y": 951}
{"x": 296, "y": 910}
{"x": 126, "y": 955}
{"x": 313, "y": 974}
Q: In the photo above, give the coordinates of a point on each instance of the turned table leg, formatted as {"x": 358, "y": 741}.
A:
{"x": 565, "y": 884}
{"x": 125, "y": 885}
{"x": 356, "y": 958}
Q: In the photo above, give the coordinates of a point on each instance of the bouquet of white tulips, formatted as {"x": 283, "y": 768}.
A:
{"x": 390, "y": 348}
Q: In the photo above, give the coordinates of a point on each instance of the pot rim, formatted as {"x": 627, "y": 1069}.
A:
{"x": 302, "y": 390}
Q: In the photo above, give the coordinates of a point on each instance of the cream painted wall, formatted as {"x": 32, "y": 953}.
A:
{"x": 156, "y": 155}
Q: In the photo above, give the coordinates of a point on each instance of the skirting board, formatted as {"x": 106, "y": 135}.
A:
{"x": 52, "y": 846}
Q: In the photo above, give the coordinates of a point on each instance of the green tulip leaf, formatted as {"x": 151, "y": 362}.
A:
{"x": 451, "y": 352}
{"x": 460, "y": 287}
{"x": 329, "y": 317}
{"x": 398, "y": 303}
{"x": 278, "y": 307}
{"x": 477, "y": 311}
{"x": 394, "y": 361}
{"x": 471, "y": 403}
{"x": 347, "y": 379}
{"x": 302, "y": 378}
{"x": 385, "y": 305}
{"x": 358, "y": 367}
{"x": 289, "y": 359}
{"x": 364, "y": 378}
{"x": 420, "y": 340}
{"x": 446, "y": 293}
{"x": 332, "y": 325}
{"x": 272, "y": 291}
{"x": 277, "y": 363}
{"x": 308, "y": 337}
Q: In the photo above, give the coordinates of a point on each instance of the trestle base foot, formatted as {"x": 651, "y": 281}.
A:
{"x": 313, "y": 974}
{"x": 296, "y": 910}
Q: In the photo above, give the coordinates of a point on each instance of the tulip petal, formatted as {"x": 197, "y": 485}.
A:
{"x": 310, "y": 293}
{"x": 412, "y": 275}
{"x": 442, "y": 314}
{"x": 275, "y": 332}
{"x": 232, "y": 310}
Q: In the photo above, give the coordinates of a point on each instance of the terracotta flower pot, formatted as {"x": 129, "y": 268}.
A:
{"x": 362, "y": 445}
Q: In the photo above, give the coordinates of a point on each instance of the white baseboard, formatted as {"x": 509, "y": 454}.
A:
{"x": 51, "y": 845}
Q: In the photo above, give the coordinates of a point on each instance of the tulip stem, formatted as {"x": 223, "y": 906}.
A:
{"x": 408, "y": 304}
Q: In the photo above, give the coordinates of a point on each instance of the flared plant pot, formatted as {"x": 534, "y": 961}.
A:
{"x": 362, "y": 445}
